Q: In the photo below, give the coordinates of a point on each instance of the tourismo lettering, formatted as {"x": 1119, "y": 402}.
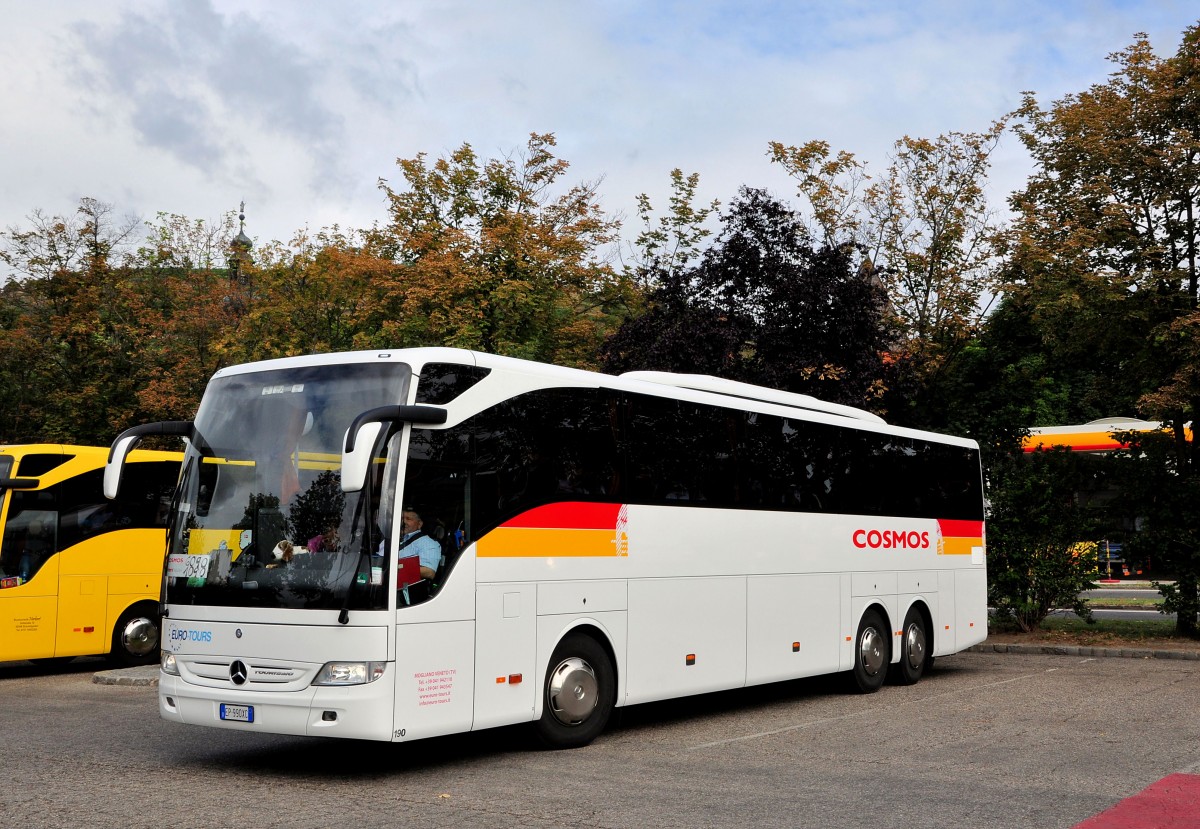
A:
{"x": 891, "y": 539}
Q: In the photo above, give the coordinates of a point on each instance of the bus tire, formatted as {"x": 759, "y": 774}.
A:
{"x": 872, "y": 653}
{"x": 914, "y": 648}
{"x": 135, "y": 636}
{"x": 578, "y": 694}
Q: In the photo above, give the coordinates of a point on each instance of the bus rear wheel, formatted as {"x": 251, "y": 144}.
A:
{"x": 578, "y": 694}
{"x": 872, "y": 653}
{"x": 914, "y": 649}
{"x": 135, "y": 636}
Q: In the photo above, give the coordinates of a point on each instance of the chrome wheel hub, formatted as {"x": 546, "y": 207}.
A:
{"x": 572, "y": 691}
{"x": 140, "y": 637}
{"x": 870, "y": 651}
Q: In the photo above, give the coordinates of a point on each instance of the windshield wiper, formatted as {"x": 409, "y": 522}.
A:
{"x": 366, "y": 545}
{"x": 173, "y": 517}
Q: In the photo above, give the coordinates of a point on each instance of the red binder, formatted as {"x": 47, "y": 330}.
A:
{"x": 408, "y": 571}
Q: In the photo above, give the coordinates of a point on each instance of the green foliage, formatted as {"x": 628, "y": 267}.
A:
{"x": 1035, "y": 561}
{"x": 673, "y": 242}
{"x": 1161, "y": 490}
{"x": 98, "y": 331}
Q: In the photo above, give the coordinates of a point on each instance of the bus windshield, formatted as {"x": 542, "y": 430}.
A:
{"x": 260, "y": 519}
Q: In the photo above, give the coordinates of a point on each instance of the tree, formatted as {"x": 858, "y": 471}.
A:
{"x": 488, "y": 257}
{"x": 1161, "y": 493}
{"x": 1106, "y": 239}
{"x": 925, "y": 229}
{"x": 673, "y": 242}
{"x": 763, "y": 306}
{"x": 319, "y": 292}
{"x": 73, "y": 331}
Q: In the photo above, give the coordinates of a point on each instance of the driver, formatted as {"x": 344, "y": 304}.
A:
{"x": 417, "y": 543}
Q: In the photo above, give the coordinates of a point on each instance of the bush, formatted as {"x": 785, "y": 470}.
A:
{"x": 1036, "y": 520}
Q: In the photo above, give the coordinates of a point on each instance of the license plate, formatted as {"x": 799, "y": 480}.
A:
{"x": 237, "y": 713}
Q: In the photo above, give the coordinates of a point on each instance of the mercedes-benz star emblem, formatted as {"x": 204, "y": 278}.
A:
{"x": 238, "y": 672}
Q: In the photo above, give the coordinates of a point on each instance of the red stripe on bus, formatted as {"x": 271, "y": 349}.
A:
{"x": 960, "y": 529}
{"x": 568, "y": 515}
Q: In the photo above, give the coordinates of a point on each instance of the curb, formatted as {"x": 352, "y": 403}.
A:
{"x": 145, "y": 676}
{"x": 1076, "y": 650}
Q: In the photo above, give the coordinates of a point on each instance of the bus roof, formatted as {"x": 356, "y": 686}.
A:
{"x": 746, "y": 391}
{"x": 697, "y": 387}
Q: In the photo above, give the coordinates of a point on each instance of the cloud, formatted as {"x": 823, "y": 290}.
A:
{"x": 194, "y": 83}
{"x": 300, "y": 107}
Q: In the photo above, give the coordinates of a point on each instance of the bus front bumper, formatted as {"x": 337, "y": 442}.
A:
{"x": 361, "y": 712}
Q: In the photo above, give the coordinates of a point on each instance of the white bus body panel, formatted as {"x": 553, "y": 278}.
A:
{"x": 970, "y": 586}
{"x": 435, "y": 660}
{"x": 435, "y": 673}
{"x": 675, "y": 618}
{"x": 788, "y": 610}
{"x": 506, "y": 650}
{"x": 944, "y": 627}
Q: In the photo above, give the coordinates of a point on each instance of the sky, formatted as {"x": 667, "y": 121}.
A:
{"x": 299, "y": 108}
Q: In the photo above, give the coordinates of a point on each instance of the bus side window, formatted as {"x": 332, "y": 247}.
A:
{"x": 30, "y": 533}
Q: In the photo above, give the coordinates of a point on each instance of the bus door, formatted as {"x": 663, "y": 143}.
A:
{"x": 28, "y": 574}
{"x": 435, "y": 630}
{"x": 85, "y": 564}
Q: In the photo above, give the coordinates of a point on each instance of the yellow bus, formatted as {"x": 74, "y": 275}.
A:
{"x": 81, "y": 575}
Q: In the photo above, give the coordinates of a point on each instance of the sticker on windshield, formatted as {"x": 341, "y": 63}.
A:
{"x": 187, "y": 566}
{"x": 286, "y": 388}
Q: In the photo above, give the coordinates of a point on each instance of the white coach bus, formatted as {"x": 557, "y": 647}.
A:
{"x": 598, "y": 541}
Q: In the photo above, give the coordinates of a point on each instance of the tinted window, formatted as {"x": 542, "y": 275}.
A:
{"x": 595, "y": 445}
{"x": 550, "y": 445}
{"x": 546, "y": 446}
{"x": 442, "y": 382}
{"x": 679, "y": 452}
{"x": 34, "y": 466}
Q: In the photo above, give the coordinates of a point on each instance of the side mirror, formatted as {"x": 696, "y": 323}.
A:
{"x": 356, "y": 463}
{"x": 128, "y": 439}
{"x": 364, "y": 432}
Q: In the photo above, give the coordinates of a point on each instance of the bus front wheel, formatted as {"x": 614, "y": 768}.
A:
{"x": 135, "y": 636}
{"x": 578, "y": 694}
{"x": 872, "y": 653}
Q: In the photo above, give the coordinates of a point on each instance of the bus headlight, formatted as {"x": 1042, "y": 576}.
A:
{"x": 168, "y": 664}
{"x": 349, "y": 673}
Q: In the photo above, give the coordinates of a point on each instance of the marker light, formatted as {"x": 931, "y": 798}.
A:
{"x": 349, "y": 673}
{"x": 168, "y": 664}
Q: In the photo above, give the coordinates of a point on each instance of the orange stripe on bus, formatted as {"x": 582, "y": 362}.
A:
{"x": 522, "y": 542}
{"x": 958, "y": 546}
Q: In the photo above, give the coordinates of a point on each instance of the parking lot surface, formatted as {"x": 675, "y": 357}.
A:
{"x": 986, "y": 740}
